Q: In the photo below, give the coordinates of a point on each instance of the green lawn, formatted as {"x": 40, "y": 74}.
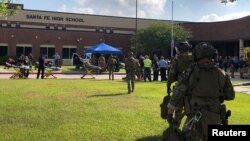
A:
{"x": 88, "y": 110}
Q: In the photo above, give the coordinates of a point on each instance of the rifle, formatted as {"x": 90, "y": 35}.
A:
{"x": 225, "y": 114}
{"x": 164, "y": 105}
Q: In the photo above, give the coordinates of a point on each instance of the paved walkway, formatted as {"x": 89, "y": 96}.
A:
{"x": 5, "y": 74}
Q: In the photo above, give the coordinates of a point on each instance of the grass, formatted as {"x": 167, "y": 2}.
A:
{"x": 88, "y": 110}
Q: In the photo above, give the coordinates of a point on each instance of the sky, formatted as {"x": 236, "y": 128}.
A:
{"x": 183, "y": 10}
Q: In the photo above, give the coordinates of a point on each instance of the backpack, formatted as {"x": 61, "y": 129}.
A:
{"x": 172, "y": 134}
{"x": 164, "y": 107}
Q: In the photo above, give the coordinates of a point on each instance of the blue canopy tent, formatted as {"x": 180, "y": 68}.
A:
{"x": 103, "y": 49}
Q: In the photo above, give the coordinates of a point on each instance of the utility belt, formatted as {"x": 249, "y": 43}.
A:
{"x": 188, "y": 108}
{"x": 191, "y": 110}
{"x": 224, "y": 114}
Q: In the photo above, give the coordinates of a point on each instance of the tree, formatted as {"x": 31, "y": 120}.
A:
{"x": 157, "y": 38}
{"x": 6, "y": 9}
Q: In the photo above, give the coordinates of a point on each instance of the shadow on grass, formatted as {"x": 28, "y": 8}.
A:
{"x": 150, "y": 138}
{"x": 106, "y": 95}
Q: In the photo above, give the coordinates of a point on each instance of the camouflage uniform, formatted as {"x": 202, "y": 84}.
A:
{"x": 102, "y": 62}
{"x": 94, "y": 60}
{"x": 201, "y": 103}
{"x": 178, "y": 66}
{"x": 111, "y": 64}
{"x": 130, "y": 67}
{"x": 138, "y": 70}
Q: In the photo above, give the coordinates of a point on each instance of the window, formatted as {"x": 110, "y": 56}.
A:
{"x": 48, "y": 52}
{"x": 3, "y": 50}
{"x": 68, "y": 51}
{"x": 246, "y": 43}
{"x": 23, "y": 49}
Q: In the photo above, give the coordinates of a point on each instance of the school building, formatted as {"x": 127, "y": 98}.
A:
{"x": 49, "y": 32}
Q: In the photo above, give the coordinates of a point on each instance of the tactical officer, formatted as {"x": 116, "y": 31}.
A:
{"x": 180, "y": 63}
{"x": 204, "y": 87}
{"x": 130, "y": 67}
{"x": 102, "y": 62}
{"x": 111, "y": 64}
{"x": 178, "y": 66}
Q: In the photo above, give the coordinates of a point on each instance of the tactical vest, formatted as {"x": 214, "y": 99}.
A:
{"x": 206, "y": 83}
{"x": 183, "y": 62}
{"x": 130, "y": 65}
{"x": 111, "y": 62}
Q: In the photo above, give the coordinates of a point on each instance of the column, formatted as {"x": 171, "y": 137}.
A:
{"x": 241, "y": 47}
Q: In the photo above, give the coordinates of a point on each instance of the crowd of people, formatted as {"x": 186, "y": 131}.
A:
{"x": 191, "y": 96}
{"x": 191, "y": 72}
{"x": 233, "y": 64}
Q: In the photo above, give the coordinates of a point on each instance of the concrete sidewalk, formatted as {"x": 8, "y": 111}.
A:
{"x": 70, "y": 76}
{"x": 5, "y": 74}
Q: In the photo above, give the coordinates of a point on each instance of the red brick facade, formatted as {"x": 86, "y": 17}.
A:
{"x": 116, "y": 31}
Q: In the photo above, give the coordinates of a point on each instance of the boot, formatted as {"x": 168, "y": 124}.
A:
{"x": 133, "y": 86}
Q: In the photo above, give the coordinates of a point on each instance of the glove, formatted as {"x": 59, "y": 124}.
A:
{"x": 169, "y": 90}
{"x": 170, "y": 119}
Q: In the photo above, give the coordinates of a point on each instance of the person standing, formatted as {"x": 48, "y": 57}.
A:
{"x": 203, "y": 106}
{"x": 155, "y": 67}
{"x": 147, "y": 68}
{"x": 102, "y": 62}
{"x": 30, "y": 56}
{"x": 141, "y": 58}
{"x": 130, "y": 67}
{"x": 27, "y": 63}
{"x": 93, "y": 60}
{"x": 178, "y": 66}
{"x": 41, "y": 67}
{"x": 57, "y": 59}
{"x": 163, "y": 65}
{"x": 111, "y": 64}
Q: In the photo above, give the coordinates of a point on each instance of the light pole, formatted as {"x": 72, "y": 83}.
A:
{"x": 172, "y": 32}
{"x": 136, "y": 5}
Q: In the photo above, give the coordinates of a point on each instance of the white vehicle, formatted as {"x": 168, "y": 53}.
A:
{"x": 78, "y": 61}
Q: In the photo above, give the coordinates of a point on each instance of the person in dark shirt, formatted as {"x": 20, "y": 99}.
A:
{"x": 41, "y": 67}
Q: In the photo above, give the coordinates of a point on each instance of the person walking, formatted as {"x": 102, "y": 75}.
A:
{"x": 203, "y": 106}
{"x": 130, "y": 67}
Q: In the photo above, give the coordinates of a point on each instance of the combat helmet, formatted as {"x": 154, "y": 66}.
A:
{"x": 184, "y": 46}
{"x": 204, "y": 50}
